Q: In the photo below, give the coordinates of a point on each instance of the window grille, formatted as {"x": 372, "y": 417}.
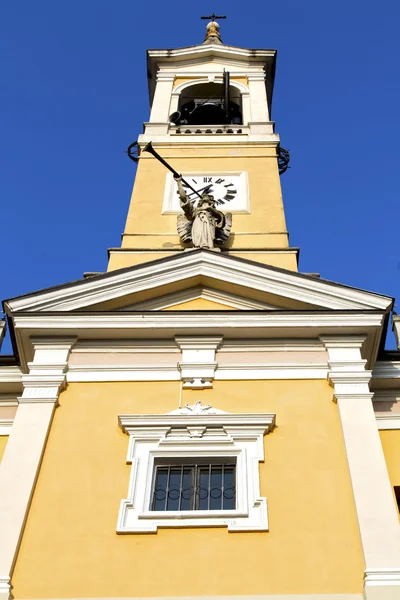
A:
{"x": 194, "y": 487}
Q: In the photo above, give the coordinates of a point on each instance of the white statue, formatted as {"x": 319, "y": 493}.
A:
{"x": 203, "y": 224}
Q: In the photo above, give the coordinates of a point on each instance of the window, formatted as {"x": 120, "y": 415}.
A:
{"x": 205, "y": 104}
{"x": 204, "y": 486}
{"x": 194, "y": 467}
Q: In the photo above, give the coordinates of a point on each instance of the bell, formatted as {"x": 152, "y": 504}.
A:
{"x": 209, "y": 113}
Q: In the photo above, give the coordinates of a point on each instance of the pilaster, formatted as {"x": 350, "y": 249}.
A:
{"x": 376, "y": 511}
{"x": 21, "y": 461}
{"x": 162, "y": 96}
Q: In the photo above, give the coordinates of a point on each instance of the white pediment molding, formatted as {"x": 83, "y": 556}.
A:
{"x": 246, "y": 276}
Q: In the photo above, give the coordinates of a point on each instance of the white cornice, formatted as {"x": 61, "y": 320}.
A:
{"x": 164, "y": 325}
{"x": 129, "y": 324}
{"x": 5, "y": 426}
{"x": 240, "y": 422}
{"x": 10, "y": 374}
{"x": 388, "y": 420}
{"x": 207, "y": 50}
{"x": 386, "y": 370}
{"x": 249, "y": 276}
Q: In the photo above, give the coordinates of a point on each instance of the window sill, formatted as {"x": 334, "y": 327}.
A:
{"x": 192, "y": 514}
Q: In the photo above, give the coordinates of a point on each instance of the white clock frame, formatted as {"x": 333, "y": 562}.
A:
{"x": 240, "y": 205}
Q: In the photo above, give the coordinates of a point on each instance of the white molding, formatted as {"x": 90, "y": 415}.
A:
{"x": 126, "y": 346}
{"x": 382, "y": 577}
{"x": 388, "y": 421}
{"x": 200, "y": 263}
{"x": 5, "y": 426}
{"x": 10, "y": 374}
{"x": 5, "y": 587}
{"x": 165, "y": 324}
{"x": 181, "y": 434}
{"x": 386, "y": 370}
{"x": 201, "y": 78}
{"x": 234, "y": 372}
{"x": 285, "y": 323}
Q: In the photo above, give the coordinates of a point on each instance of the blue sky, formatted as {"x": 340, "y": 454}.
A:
{"x": 74, "y": 95}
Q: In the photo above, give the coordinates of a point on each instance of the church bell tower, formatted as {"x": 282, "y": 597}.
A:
{"x": 210, "y": 119}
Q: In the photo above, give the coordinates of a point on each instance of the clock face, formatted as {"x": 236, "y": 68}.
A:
{"x": 223, "y": 188}
{"x": 230, "y": 191}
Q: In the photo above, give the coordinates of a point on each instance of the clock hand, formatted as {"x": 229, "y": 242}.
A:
{"x": 204, "y": 189}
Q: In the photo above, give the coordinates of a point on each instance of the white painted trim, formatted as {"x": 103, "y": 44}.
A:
{"x": 5, "y": 426}
{"x": 123, "y": 325}
{"x": 123, "y": 346}
{"x": 171, "y": 321}
{"x": 10, "y": 375}
{"x": 232, "y": 372}
{"x": 382, "y": 577}
{"x": 181, "y": 267}
{"x": 388, "y": 421}
{"x": 180, "y": 434}
{"x": 386, "y": 370}
{"x": 199, "y": 79}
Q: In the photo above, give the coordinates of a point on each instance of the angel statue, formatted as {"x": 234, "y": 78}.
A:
{"x": 203, "y": 224}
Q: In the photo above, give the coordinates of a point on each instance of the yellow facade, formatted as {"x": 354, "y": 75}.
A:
{"x": 3, "y": 443}
{"x": 70, "y": 547}
{"x": 390, "y": 439}
{"x": 149, "y": 233}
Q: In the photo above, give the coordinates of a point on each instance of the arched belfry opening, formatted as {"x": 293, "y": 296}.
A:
{"x": 209, "y": 104}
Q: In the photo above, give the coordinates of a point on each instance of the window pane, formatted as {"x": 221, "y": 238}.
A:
{"x": 229, "y": 495}
{"x": 174, "y": 488}
{"x": 160, "y": 488}
{"x": 203, "y": 487}
{"x": 194, "y": 487}
{"x": 216, "y": 488}
{"x": 187, "y": 489}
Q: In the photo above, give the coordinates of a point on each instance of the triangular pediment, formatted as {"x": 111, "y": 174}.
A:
{"x": 238, "y": 284}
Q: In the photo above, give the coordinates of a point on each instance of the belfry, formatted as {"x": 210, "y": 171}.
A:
{"x": 201, "y": 420}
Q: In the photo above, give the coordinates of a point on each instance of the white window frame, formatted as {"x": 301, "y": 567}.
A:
{"x": 195, "y": 432}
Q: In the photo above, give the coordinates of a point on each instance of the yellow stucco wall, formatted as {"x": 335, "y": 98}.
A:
{"x": 3, "y": 443}
{"x": 147, "y": 230}
{"x": 120, "y": 260}
{"x": 199, "y": 304}
{"x": 70, "y": 547}
{"x": 266, "y": 205}
{"x": 390, "y": 439}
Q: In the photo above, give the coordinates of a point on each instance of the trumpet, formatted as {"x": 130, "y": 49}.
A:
{"x": 149, "y": 148}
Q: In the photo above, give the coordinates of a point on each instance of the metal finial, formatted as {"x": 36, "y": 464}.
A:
{"x": 212, "y": 35}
